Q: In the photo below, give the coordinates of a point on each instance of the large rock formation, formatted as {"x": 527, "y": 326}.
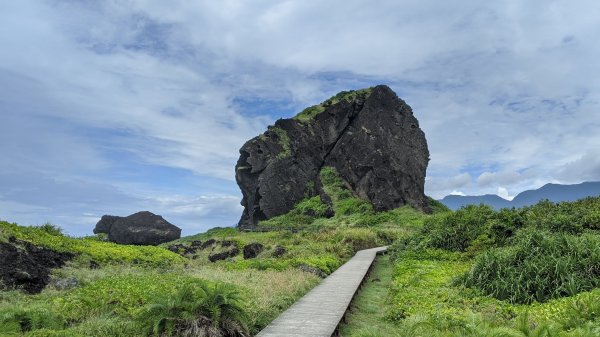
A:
{"x": 142, "y": 228}
{"x": 369, "y": 136}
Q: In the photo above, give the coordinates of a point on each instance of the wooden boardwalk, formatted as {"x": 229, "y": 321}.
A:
{"x": 319, "y": 312}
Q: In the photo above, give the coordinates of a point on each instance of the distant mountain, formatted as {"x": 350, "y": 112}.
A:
{"x": 552, "y": 192}
{"x": 455, "y": 202}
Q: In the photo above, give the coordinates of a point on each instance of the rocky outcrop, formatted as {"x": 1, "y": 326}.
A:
{"x": 142, "y": 228}
{"x": 252, "y": 250}
{"x": 370, "y": 137}
{"x": 278, "y": 251}
{"x": 223, "y": 255}
{"x": 27, "y": 267}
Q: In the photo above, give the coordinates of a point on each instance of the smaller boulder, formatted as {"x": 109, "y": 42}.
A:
{"x": 142, "y": 228}
{"x": 65, "y": 283}
{"x": 312, "y": 270}
{"x": 208, "y": 243}
{"x": 224, "y": 255}
{"x": 252, "y": 250}
{"x": 94, "y": 265}
{"x": 227, "y": 243}
{"x": 279, "y": 251}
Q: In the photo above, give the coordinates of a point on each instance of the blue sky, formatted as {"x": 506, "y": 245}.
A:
{"x": 118, "y": 106}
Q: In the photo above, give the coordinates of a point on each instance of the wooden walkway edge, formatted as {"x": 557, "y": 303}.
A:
{"x": 319, "y": 312}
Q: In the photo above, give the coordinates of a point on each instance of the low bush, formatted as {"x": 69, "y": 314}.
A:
{"x": 538, "y": 267}
{"x": 455, "y": 231}
{"x": 197, "y": 309}
{"x": 303, "y": 214}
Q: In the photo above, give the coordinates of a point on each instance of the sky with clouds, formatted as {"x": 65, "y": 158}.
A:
{"x": 111, "y": 107}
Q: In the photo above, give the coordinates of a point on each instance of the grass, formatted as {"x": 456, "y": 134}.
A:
{"x": 366, "y": 317}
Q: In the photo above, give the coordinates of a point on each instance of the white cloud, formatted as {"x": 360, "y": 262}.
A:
{"x": 503, "y": 193}
{"x": 502, "y": 89}
{"x": 585, "y": 168}
{"x": 454, "y": 192}
{"x": 439, "y": 187}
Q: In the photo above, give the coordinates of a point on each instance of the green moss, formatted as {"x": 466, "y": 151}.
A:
{"x": 310, "y": 113}
{"x": 284, "y": 140}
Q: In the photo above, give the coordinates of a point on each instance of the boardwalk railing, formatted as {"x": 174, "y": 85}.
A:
{"x": 272, "y": 229}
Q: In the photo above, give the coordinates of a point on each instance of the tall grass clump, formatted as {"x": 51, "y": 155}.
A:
{"x": 539, "y": 266}
{"x": 198, "y": 309}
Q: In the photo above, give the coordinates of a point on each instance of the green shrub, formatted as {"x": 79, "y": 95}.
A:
{"x": 436, "y": 206}
{"x": 538, "y": 267}
{"x": 197, "y": 309}
{"x": 455, "y": 231}
{"x": 26, "y": 319}
{"x": 581, "y": 310}
{"x": 313, "y": 206}
{"x": 567, "y": 217}
{"x": 304, "y": 213}
{"x": 51, "y": 229}
{"x": 352, "y": 205}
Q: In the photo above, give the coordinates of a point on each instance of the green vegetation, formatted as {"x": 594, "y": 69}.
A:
{"x": 523, "y": 272}
{"x": 284, "y": 140}
{"x": 310, "y": 113}
{"x": 532, "y": 271}
{"x": 366, "y": 318}
{"x": 89, "y": 248}
{"x": 211, "y": 310}
{"x": 115, "y": 299}
{"x": 537, "y": 267}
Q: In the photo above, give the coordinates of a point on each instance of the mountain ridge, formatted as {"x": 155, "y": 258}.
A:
{"x": 550, "y": 191}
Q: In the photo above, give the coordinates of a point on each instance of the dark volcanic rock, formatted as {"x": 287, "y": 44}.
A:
{"x": 369, "y": 136}
{"x": 142, "y": 228}
{"x": 224, "y": 255}
{"x": 252, "y": 250}
{"x": 208, "y": 243}
{"x": 105, "y": 223}
{"x": 279, "y": 251}
{"x": 312, "y": 270}
{"x": 27, "y": 266}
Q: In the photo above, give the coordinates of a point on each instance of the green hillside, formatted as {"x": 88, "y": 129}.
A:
{"x": 473, "y": 272}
